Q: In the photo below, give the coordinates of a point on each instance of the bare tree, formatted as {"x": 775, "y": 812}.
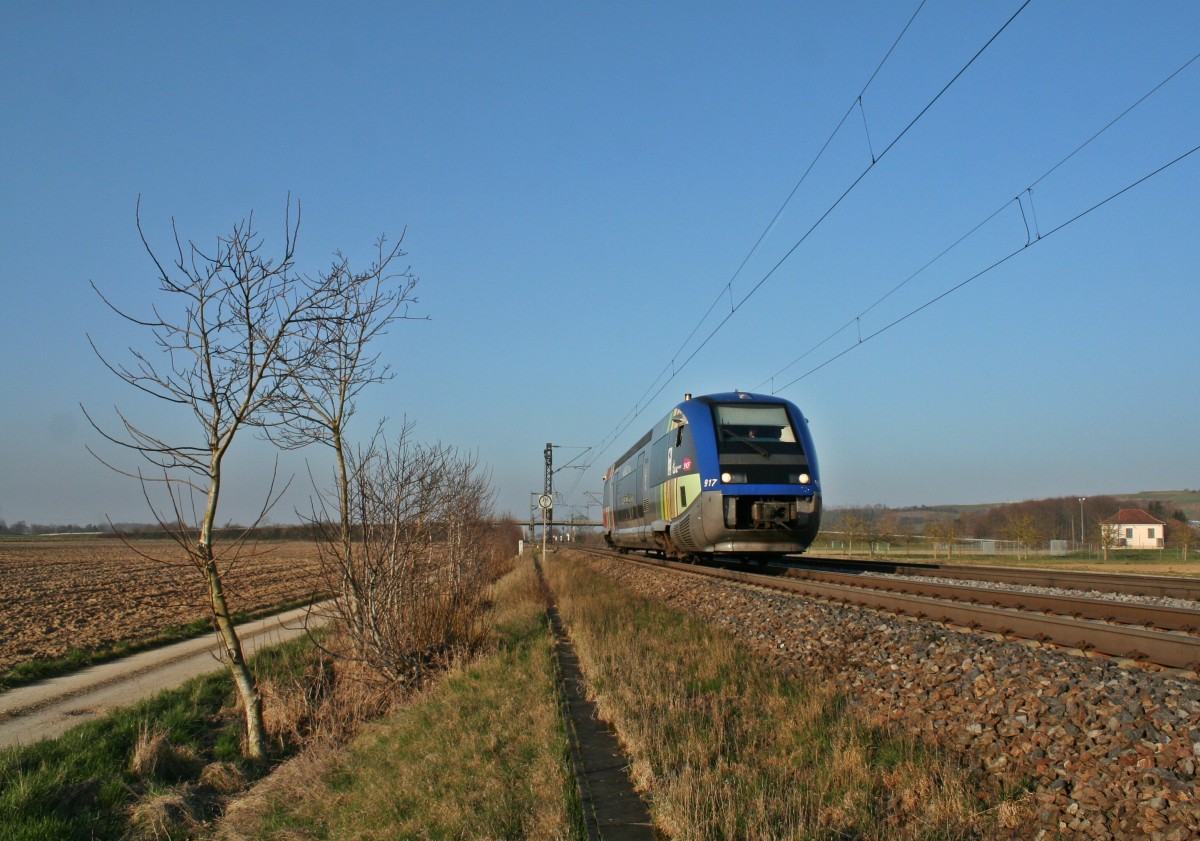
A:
{"x": 897, "y": 530}
{"x": 236, "y": 323}
{"x": 343, "y": 364}
{"x": 1182, "y": 534}
{"x": 943, "y": 531}
{"x": 857, "y": 526}
{"x": 1110, "y": 537}
{"x": 1021, "y": 528}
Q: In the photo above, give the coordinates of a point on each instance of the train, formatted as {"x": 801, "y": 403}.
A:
{"x": 730, "y": 474}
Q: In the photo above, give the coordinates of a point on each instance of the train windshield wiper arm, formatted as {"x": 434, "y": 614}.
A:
{"x": 749, "y": 442}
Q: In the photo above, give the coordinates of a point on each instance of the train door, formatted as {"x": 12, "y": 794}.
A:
{"x": 643, "y": 488}
{"x": 606, "y": 507}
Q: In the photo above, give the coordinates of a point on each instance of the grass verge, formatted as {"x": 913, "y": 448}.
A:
{"x": 163, "y": 765}
{"x": 729, "y": 748}
{"x": 480, "y": 754}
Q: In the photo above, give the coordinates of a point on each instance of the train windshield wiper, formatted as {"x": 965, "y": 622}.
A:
{"x": 749, "y": 442}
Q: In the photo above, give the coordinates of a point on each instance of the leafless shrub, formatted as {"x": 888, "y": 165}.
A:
{"x": 412, "y": 572}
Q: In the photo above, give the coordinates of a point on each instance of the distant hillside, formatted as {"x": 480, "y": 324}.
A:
{"x": 1187, "y": 500}
{"x": 1054, "y": 515}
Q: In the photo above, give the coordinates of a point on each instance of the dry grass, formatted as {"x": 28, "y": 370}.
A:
{"x": 274, "y": 807}
{"x": 729, "y": 748}
{"x": 163, "y": 816}
{"x": 154, "y": 755}
{"x": 223, "y": 777}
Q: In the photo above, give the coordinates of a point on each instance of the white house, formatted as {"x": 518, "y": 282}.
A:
{"x": 1137, "y": 530}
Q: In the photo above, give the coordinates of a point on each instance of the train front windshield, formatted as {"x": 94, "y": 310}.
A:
{"x": 741, "y": 427}
{"x": 757, "y": 444}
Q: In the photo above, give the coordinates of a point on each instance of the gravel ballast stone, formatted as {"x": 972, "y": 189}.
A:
{"x": 1109, "y": 749}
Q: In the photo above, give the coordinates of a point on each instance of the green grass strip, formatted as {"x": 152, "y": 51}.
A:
{"x": 83, "y": 784}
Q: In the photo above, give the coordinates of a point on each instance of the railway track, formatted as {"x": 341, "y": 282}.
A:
{"x": 1150, "y": 633}
{"x": 1176, "y": 587}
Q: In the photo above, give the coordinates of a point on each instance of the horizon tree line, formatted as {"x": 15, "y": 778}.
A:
{"x": 1026, "y": 524}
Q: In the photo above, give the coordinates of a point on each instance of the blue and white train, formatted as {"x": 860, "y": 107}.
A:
{"x": 721, "y": 474}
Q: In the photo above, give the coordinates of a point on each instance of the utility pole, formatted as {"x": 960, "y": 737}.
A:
{"x": 548, "y": 515}
{"x": 544, "y": 502}
{"x": 548, "y": 486}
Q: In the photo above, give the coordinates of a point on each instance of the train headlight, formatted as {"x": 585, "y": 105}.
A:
{"x": 804, "y": 478}
{"x": 730, "y": 478}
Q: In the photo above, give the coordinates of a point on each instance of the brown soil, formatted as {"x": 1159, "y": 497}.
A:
{"x": 60, "y": 594}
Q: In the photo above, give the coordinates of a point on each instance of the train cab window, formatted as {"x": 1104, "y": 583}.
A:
{"x": 757, "y": 444}
{"x": 741, "y": 428}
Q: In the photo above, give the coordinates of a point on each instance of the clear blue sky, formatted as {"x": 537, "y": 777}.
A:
{"x": 580, "y": 183}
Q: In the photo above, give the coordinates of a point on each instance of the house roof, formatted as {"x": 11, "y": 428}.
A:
{"x": 1133, "y": 517}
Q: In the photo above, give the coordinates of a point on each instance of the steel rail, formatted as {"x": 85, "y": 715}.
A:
{"x": 1163, "y": 617}
{"x": 1172, "y": 586}
{"x": 1165, "y": 648}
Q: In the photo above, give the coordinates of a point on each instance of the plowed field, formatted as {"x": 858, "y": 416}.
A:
{"x": 57, "y": 594}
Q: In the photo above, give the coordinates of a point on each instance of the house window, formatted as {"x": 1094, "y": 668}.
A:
{"x": 1129, "y": 534}
{"x": 1150, "y": 533}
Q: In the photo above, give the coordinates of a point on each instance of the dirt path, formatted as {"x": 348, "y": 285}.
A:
{"x": 50, "y": 708}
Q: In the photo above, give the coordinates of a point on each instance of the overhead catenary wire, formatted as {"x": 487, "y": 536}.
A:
{"x": 1032, "y": 235}
{"x": 673, "y": 366}
{"x": 651, "y": 392}
{"x": 856, "y": 103}
{"x": 996, "y": 264}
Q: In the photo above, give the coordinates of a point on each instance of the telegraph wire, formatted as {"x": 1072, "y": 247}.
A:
{"x": 672, "y": 368}
{"x": 867, "y": 131}
{"x": 887, "y": 149}
{"x": 883, "y": 298}
{"x": 1032, "y": 212}
{"x": 1030, "y": 236}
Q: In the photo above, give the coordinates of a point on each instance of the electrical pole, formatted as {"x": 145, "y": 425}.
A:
{"x": 548, "y": 516}
{"x": 544, "y": 502}
{"x": 1082, "y": 538}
